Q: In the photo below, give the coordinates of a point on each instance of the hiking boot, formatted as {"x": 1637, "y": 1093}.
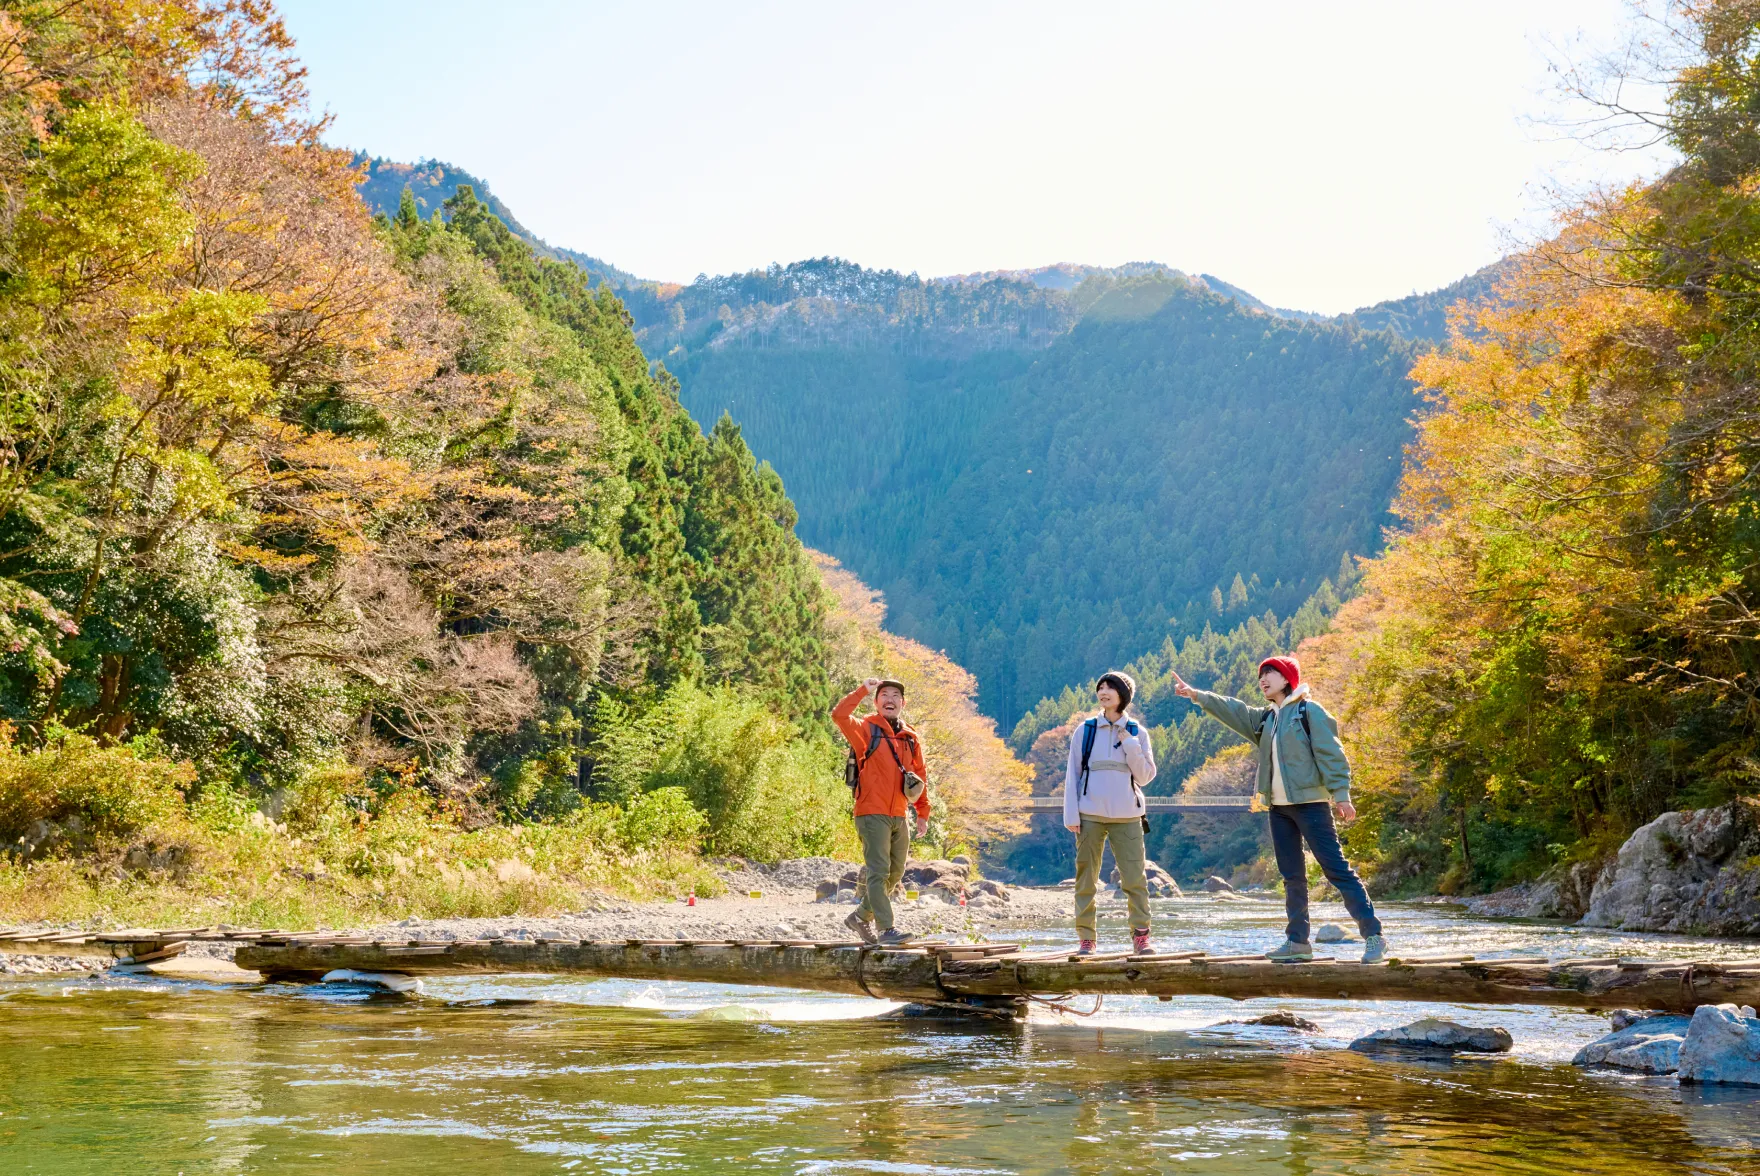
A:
{"x": 893, "y": 937}
{"x": 860, "y": 926}
{"x": 1140, "y": 942}
{"x": 1374, "y": 949}
{"x": 1291, "y": 953}
{"x": 1087, "y": 948}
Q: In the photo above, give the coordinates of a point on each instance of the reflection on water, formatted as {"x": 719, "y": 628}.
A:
{"x": 544, "y": 1074}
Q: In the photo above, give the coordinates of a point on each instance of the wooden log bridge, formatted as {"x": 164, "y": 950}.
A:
{"x": 984, "y": 974}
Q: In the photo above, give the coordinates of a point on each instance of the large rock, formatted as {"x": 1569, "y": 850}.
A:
{"x": 1215, "y": 885}
{"x": 1722, "y": 1047}
{"x": 1649, "y": 1045}
{"x": 993, "y": 889}
{"x": 923, "y": 875}
{"x": 1161, "y": 883}
{"x": 1331, "y": 933}
{"x": 1561, "y": 893}
{"x": 1691, "y": 872}
{"x": 1432, "y": 1035}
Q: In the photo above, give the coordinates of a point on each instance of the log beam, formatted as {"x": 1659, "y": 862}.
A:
{"x": 889, "y": 975}
{"x": 1677, "y": 987}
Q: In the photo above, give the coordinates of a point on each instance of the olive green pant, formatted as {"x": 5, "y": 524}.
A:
{"x": 886, "y": 845}
{"x": 1127, "y": 848}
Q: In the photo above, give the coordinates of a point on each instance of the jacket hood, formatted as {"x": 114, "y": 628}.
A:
{"x": 1299, "y": 692}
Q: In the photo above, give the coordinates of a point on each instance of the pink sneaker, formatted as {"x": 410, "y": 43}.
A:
{"x": 1087, "y": 947}
{"x": 1140, "y": 942}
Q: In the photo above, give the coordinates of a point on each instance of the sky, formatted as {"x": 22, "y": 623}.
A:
{"x": 1321, "y": 156}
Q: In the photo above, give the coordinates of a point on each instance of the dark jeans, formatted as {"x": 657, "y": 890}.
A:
{"x": 1290, "y": 825}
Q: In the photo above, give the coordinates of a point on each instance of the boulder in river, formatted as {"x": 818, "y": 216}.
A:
{"x": 1646, "y": 1044}
{"x": 1161, "y": 883}
{"x": 1722, "y": 1047}
{"x": 1331, "y": 933}
{"x": 1215, "y": 885}
{"x": 1281, "y": 1019}
{"x": 1688, "y": 872}
{"x": 1433, "y": 1036}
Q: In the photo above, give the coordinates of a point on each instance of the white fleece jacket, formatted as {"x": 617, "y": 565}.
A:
{"x": 1119, "y": 768}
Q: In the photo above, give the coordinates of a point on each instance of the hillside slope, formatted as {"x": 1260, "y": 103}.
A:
{"x": 1039, "y": 511}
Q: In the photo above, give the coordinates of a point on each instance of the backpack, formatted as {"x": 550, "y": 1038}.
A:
{"x": 1301, "y": 713}
{"x": 852, "y": 767}
{"x": 1089, "y": 730}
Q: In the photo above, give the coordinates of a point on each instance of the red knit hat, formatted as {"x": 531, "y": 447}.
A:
{"x": 1289, "y": 667}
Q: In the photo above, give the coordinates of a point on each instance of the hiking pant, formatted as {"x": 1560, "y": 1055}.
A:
{"x": 886, "y": 844}
{"x": 1127, "y": 849}
{"x": 1291, "y": 824}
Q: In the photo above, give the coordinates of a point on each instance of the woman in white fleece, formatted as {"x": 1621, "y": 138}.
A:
{"x": 1103, "y": 802}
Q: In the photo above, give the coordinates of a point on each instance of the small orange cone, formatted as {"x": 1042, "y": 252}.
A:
{"x": 692, "y": 900}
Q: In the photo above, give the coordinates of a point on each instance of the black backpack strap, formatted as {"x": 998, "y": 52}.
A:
{"x": 861, "y": 761}
{"x": 1302, "y": 713}
{"x": 1088, "y": 730}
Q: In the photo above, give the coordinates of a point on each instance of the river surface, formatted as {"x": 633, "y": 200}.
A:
{"x": 549, "y": 1074}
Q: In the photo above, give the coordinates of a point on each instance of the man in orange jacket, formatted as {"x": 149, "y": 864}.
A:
{"x": 890, "y": 772}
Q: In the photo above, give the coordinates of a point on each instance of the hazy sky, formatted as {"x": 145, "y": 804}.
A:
{"x": 1322, "y": 156}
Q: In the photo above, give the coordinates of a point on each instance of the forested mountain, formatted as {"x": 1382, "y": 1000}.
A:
{"x": 991, "y": 449}
{"x": 431, "y": 183}
{"x": 1046, "y": 482}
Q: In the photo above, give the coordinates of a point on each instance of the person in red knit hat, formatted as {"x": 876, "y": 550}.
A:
{"x": 1303, "y": 778}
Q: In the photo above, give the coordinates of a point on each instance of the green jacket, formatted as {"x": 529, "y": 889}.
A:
{"x": 1311, "y": 771}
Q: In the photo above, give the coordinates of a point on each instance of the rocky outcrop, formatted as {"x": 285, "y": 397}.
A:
{"x": 1722, "y": 1047}
{"x": 1435, "y": 1036}
{"x": 1646, "y": 1044}
{"x": 1561, "y": 893}
{"x": 1215, "y": 885}
{"x": 1695, "y": 872}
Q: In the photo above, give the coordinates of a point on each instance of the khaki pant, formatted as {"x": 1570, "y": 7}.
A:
{"x": 886, "y": 845}
{"x": 1127, "y": 848}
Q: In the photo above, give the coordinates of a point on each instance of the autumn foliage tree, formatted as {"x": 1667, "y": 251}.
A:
{"x": 1562, "y": 642}
{"x": 282, "y": 484}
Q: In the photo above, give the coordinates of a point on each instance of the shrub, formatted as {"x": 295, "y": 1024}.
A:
{"x": 765, "y": 790}
{"x": 110, "y": 793}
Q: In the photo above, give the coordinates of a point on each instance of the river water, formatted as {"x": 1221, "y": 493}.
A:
{"x": 550, "y": 1074}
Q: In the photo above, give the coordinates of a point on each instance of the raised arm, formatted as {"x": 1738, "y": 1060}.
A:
{"x": 843, "y": 714}
{"x": 1139, "y": 753}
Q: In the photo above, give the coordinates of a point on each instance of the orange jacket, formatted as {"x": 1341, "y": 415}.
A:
{"x": 880, "y": 786}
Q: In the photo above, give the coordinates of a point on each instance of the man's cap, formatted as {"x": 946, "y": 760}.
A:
{"x": 885, "y": 682}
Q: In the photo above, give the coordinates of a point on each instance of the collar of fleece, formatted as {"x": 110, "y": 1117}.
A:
{"x": 1299, "y": 692}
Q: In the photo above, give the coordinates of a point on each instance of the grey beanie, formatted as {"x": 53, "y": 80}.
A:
{"x": 1121, "y": 682}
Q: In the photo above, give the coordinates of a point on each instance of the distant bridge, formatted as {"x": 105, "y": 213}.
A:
{"x": 1157, "y": 804}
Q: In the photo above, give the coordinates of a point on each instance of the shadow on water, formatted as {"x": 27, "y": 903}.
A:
{"x": 102, "y": 1076}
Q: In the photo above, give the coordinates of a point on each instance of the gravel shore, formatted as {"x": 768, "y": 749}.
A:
{"x": 784, "y": 907}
